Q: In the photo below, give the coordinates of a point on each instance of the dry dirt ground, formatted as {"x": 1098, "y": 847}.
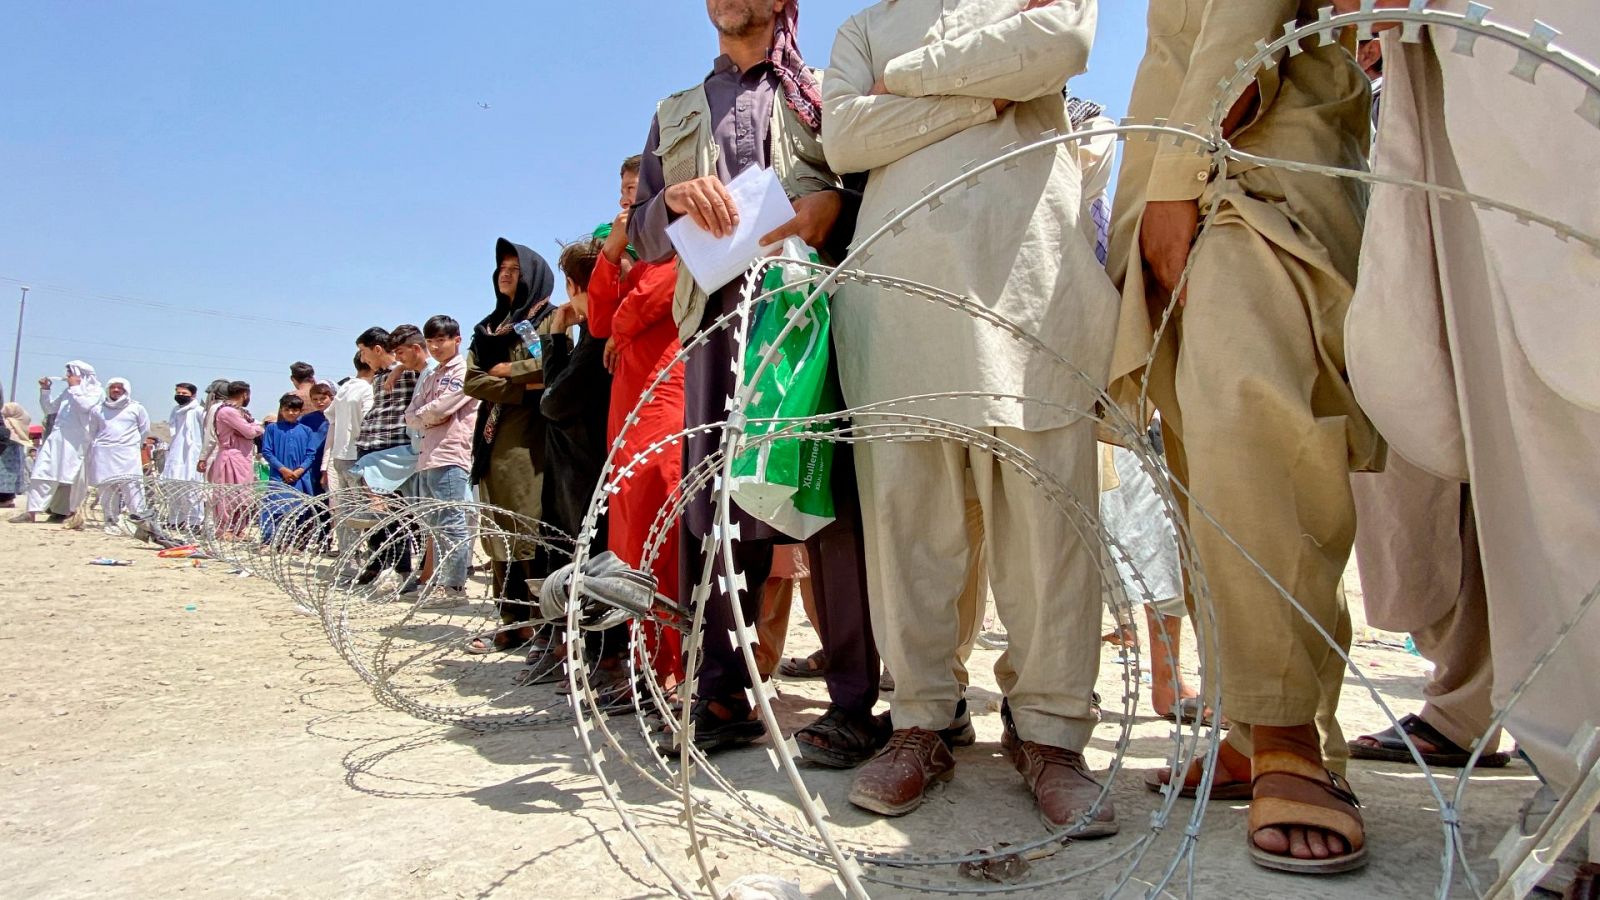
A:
{"x": 168, "y": 731}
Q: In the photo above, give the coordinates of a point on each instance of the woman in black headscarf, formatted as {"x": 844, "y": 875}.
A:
{"x": 508, "y": 445}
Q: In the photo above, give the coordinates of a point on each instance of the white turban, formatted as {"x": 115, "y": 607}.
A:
{"x": 85, "y": 371}
{"x": 126, "y": 396}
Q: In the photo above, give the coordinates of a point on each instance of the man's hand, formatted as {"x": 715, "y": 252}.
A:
{"x": 201, "y": 466}
{"x": 324, "y": 480}
{"x": 814, "y": 216}
{"x": 609, "y": 356}
{"x": 617, "y": 242}
{"x": 707, "y": 202}
{"x": 566, "y": 316}
{"x": 1165, "y": 236}
{"x": 286, "y": 474}
{"x": 500, "y": 370}
{"x": 44, "y": 383}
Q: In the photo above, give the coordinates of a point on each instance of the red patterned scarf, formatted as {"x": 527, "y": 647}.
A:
{"x": 800, "y": 89}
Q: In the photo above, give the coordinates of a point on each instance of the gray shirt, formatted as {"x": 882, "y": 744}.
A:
{"x": 741, "y": 122}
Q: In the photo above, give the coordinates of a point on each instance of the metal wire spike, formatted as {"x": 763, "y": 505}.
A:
{"x": 1261, "y": 47}
{"x": 1589, "y": 109}
{"x": 1411, "y": 31}
{"x": 1528, "y": 61}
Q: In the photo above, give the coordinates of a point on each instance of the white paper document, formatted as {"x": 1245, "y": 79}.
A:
{"x": 763, "y": 207}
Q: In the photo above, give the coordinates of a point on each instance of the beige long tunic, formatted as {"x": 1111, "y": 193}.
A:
{"x": 1472, "y": 341}
{"x": 1318, "y": 105}
{"x": 1012, "y": 242}
{"x": 1249, "y": 378}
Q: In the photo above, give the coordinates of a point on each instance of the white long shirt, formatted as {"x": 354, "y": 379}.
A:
{"x": 188, "y": 436}
{"x": 114, "y": 449}
{"x": 350, "y": 406}
{"x": 61, "y": 457}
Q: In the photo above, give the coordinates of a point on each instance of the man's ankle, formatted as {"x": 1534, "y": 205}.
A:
{"x": 1301, "y": 740}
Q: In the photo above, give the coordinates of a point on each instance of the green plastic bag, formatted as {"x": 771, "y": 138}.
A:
{"x": 787, "y": 482}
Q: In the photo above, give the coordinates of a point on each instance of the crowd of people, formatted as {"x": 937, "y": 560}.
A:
{"x": 1323, "y": 331}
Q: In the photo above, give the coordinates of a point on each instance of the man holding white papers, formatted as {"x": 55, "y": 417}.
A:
{"x": 759, "y": 107}
{"x": 916, "y": 90}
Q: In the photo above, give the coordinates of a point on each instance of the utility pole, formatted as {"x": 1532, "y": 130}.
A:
{"x": 16, "y": 353}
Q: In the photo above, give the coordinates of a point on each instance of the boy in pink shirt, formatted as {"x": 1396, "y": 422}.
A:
{"x": 445, "y": 415}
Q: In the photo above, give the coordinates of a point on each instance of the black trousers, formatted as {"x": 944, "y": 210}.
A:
{"x": 838, "y": 581}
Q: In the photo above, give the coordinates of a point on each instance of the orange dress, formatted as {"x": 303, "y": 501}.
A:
{"x": 636, "y": 313}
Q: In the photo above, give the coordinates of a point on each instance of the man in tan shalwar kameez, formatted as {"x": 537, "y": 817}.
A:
{"x": 916, "y": 90}
{"x": 1417, "y": 549}
{"x": 1421, "y": 573}
{"x": 1473, "y": 344}
{"x": 1249, "y": 378}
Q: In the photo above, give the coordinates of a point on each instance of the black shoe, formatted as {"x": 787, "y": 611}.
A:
{"x": 368, "y": 576}
{"x": 849, "y": 739}
{"x": 55, "y": 519}
{"x": 959, "y": 733}
{"x": 712, "y": 732}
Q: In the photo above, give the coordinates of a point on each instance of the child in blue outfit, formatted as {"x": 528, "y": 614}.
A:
{"x": 290, "y": 450}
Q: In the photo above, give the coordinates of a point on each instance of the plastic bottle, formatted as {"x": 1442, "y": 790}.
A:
{"x": 530, "y": 338}
{"x": 108, "y": 561}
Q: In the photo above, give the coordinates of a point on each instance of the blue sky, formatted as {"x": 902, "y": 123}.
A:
{"x": 197, "y": 191}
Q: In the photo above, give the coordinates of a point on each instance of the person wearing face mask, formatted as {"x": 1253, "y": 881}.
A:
{"x": 186, "y": 423}
{"x": 118, "y": 425}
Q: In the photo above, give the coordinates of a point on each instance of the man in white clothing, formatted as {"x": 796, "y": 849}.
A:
{"x": 187, "y": 427}
{"x": 117, "y": 425}
{"x": 60, "y": 459}
{"x": 350, "y": 406}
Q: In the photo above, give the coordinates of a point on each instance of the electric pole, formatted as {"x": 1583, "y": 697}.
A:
{"x": 16, "y": 352}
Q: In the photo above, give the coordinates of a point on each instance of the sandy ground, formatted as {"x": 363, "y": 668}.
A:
{"x": 168, "y": 730}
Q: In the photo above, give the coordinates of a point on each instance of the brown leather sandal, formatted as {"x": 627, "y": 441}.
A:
{"x": 1288, "y": 791}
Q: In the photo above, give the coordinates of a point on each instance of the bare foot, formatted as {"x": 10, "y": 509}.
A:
{"x": 1161, "y": 699}
{"x": 1122, "y": 637}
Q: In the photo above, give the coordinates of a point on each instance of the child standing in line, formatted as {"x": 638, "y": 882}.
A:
{"x": 290, "y": 450}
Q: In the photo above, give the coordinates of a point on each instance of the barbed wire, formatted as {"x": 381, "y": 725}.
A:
{"x": 414, "y": 655}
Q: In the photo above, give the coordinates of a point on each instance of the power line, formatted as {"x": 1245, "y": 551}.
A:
{"x": 159, "y": 362}
{"x": 121, "y": 346}
{"x": 169, "y": 307}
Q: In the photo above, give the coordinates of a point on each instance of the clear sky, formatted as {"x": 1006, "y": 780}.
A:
{"x": 215, "y": 190}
